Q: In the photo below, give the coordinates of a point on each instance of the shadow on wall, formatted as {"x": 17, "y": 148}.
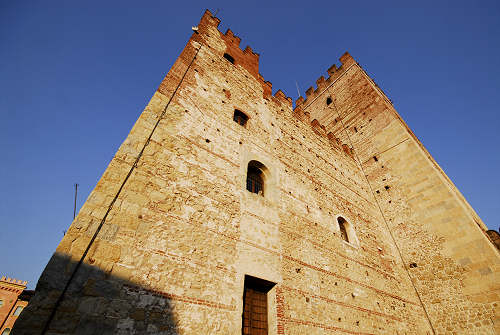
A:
{"x": 95, "y": 303}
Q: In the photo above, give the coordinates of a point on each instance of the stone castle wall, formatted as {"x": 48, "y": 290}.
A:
{"x": 443, "y": 242}
{"x": 182, "y": 232}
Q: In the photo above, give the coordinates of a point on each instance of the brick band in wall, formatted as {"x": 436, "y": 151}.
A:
{"x": 277, "y": 253}
{"x": 186, "y": 299}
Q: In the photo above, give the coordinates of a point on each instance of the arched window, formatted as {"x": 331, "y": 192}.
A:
{"x": 347, "y": 231}
{"x": 255, "y": 177}
{"x": 240, "y": 117}
{"x": 343, "y": 229}
{"x": 329, "y": 100}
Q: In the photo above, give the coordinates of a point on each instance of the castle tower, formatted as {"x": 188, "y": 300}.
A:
{"x": 226, "y": 211}
{"x": 13, "y": 299}
{"x": 453, "y": 264}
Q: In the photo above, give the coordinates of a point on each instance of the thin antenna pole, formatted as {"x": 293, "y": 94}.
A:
{"x": 298, "y": 91}
{"x": 74, "y": 207}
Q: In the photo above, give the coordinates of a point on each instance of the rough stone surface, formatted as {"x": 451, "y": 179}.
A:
{"x": 176, "y": 243}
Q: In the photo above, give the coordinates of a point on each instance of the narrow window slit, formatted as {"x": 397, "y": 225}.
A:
{"x": 229, "y": 58}
{"x": 343, "y": 230}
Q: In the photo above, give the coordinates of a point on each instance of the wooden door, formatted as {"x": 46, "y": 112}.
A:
{"x": 254, "y": 312}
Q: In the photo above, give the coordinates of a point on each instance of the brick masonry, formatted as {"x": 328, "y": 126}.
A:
{"x": 13, "y": 296}
{"x": 177, "y": 241}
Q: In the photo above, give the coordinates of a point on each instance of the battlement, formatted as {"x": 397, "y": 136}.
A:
{"x": 249, "y": 60}
{"x": 13, "y": 281}
{"x": 281, "y": 98}
{"x": 346, "y": 60}
{"x": 246, "y": 58}
{"x": 320, "y": 129}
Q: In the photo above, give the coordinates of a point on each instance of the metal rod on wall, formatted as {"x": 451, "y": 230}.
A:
{"x": 74, "y": 208}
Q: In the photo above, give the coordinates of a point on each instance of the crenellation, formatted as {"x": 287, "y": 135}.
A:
{"x": 309, "y": 92}
{"x": 283, "y": 99}
{"x": 331, "y": 70}
{"x": 346, "y": 59}
{"x": 246, "y": 58}
{"x": 233, "y": 39}
{"x": 13, "y": 281}
{"x": 248, "y": 49}
{"x": 267, "y": 87}
{"x": 299, "y": 101}
{"x": 207, "y": 22}
{"x": 321, "y": 83}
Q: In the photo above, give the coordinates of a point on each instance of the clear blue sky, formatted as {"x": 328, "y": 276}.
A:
{"x": 75, "y": 75}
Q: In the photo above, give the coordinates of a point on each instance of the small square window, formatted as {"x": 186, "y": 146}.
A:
{"x": 240, "y": 117}
{"x": 229, "y": 58}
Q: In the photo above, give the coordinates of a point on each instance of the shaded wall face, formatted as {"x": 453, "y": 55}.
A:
{"x": 97, "y": 302}
{"x": 456, "y": 270}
